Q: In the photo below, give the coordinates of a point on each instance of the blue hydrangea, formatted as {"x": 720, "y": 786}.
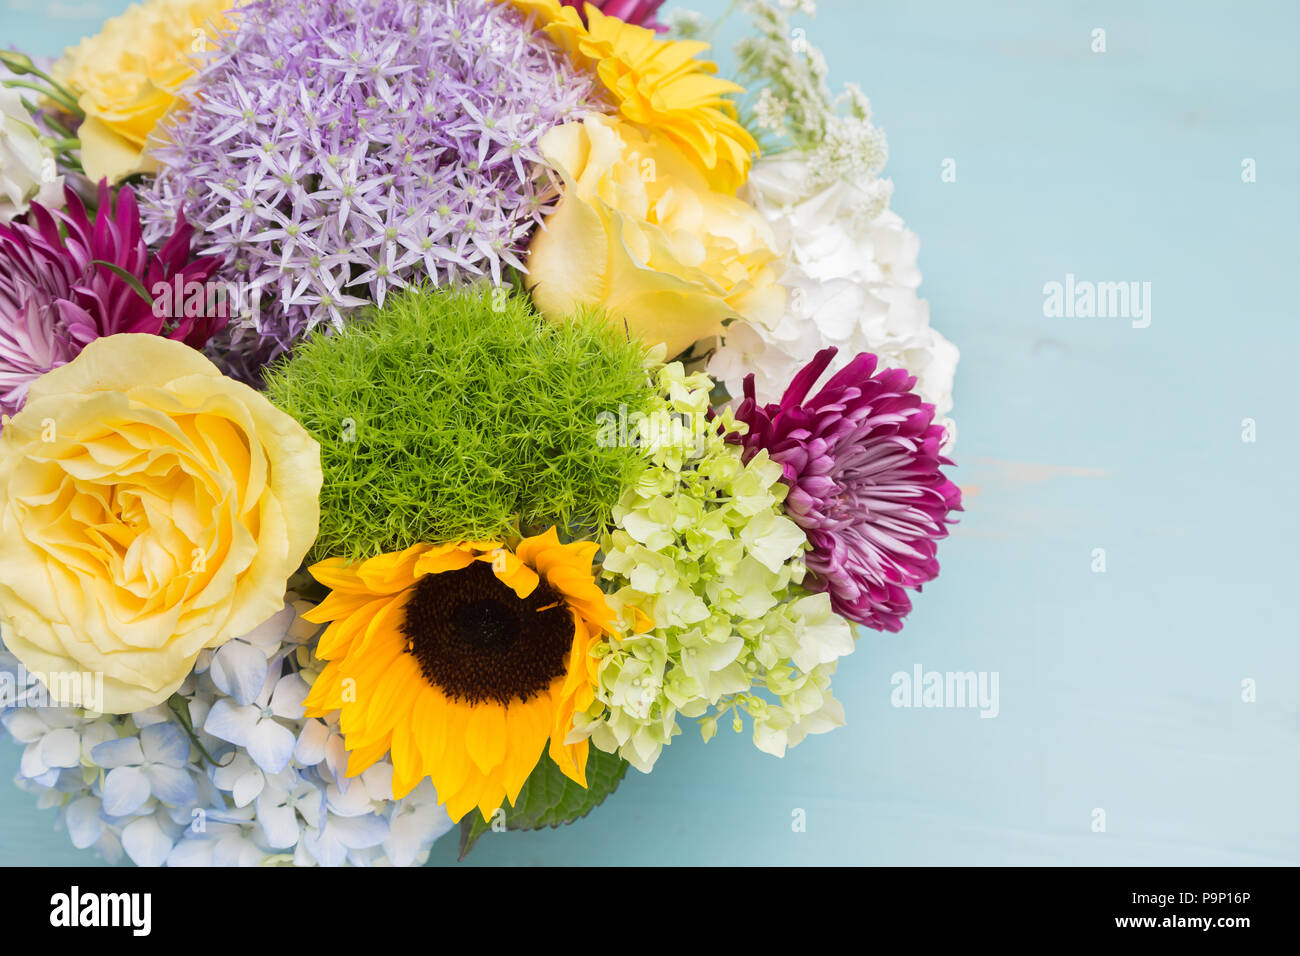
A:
{"x": 275, "y": 790}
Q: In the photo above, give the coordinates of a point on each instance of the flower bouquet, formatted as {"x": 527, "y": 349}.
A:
{"x": 415, "y": 411}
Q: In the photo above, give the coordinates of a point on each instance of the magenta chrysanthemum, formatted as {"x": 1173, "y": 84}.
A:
{"x": 862, "y": 461}
{"x": 334, "y": 150}
{"x": 57, "y": 296}
{"x": 638, "y": 12}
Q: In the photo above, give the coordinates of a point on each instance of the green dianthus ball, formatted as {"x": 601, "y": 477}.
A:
{"x": 463, "y": 415}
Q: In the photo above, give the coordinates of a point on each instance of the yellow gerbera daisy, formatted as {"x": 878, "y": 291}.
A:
{"x": 658, "y": 84}
{"x": 463, "y": 660}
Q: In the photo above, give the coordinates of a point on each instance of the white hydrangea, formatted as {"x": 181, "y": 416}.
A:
{"x": 275, "y": 791}
{"x": 851, "y": 274}
{"x": 27, "y": 166}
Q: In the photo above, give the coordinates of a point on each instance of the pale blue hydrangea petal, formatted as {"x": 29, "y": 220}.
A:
{"x": 357, "y": 833}
{"x": 71, "y": 780}
{"x": 229, "y": 771}
{"x": 84, "y": 823}
{"x": 310, "y": 749}
{"x": 378, "y": 780}
{"x": 287, "y": 699}
{"x": 109, "y": 846}
{"x": 238, "y": 669}
{"x": 31, "y": 765}
{"x": 126, "y": 790}
{"x": 247, "y": 787}
{"x": 352, "y": 802}
{"x": 145, "y": 842}
{"x": 278, "y": 821}
{"x": 61, "y": 748}
{"x": 270, "y": 633}
{"x": 237, "y": 850}
{"x": 172, "y": 785}
{"x": 230, "y": 722}
{"x": 122, "y": 752}
{"x": 166, "y": 744}
{"x": 271, "y": 745}
{"x": 313, "y": 809}
{"x": 194, "y": 851}
{"x": 158, "y": 714}
{"x": 47, "y": 778}
{"x": 25, "y": 725}
{"x": 94, "y": 734}
{"x": 324, "y": 848}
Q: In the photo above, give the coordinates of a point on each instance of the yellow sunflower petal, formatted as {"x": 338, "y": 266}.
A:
{"x": 445, "y": 557}
{"x": 408, "y": 769}
{"x": 363, "y": 758}
{"x": 529, "y": 727}
{"x": 391, "y": 573}
{"x": 485, "y": 735}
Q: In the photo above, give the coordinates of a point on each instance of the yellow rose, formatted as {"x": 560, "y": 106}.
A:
{"x": 640, "y": 233}
{"x": 149, "y": 507}
{"x": 127, "y": 75}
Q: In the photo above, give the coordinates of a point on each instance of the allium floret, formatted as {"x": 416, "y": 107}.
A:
{"x": 335, "y": 150}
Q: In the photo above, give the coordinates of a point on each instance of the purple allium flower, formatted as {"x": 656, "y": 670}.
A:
{"x": 862, "y": 461}
{"x": 56, "y": 296}
{"x": 334, "y": 150}
{"x": 639, "y": 12}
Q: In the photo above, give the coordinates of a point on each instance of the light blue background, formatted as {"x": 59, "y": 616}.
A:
{"x": 1121, "y": 690}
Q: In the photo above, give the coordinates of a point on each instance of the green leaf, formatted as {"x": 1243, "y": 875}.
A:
{"x": 126, "y": 277}
{"x": 549, "y": 798}
{"x": 472, "y": 826}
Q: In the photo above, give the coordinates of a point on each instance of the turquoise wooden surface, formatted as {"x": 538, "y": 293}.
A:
{"x": 1119, "y": 690}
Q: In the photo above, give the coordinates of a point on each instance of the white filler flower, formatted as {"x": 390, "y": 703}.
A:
{"x": 851, "y": 275}
{"x": 27, "y": 169}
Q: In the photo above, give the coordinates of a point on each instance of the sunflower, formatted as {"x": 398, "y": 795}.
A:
{"x": 658, "y": 84}
{"x": 463, "y": 660}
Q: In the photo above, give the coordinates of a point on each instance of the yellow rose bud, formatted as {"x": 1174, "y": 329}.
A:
{"x": 149, "y": 507}
{"x": 640, "y": 233}
{"x": 127, "y": 75}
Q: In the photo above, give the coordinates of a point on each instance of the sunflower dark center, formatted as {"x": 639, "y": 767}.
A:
{"x": 476, "y": 640}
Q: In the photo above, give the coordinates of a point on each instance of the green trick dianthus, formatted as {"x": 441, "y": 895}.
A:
{"x": 452, "y": 415}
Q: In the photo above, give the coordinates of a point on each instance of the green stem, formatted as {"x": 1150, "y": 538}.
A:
{"x": 179, "y": 705}
{"x": 20, "y": 64}
{"x": 58, "y": 94}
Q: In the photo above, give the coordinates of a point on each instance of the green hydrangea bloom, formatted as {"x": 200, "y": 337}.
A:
{"x": 702, "y": 548}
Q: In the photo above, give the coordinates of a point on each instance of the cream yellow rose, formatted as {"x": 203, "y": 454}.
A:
{"x": 639, "y": 232}
{"x": 149, "y": 507}
{"x": 126, "y": 77}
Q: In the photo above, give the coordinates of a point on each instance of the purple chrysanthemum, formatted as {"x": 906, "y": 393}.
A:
{"x": 336, "y": 149}
{"x": 862, "y": 461}
{"x": 57, "y": 296}
{"x": 640, "y": 12}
